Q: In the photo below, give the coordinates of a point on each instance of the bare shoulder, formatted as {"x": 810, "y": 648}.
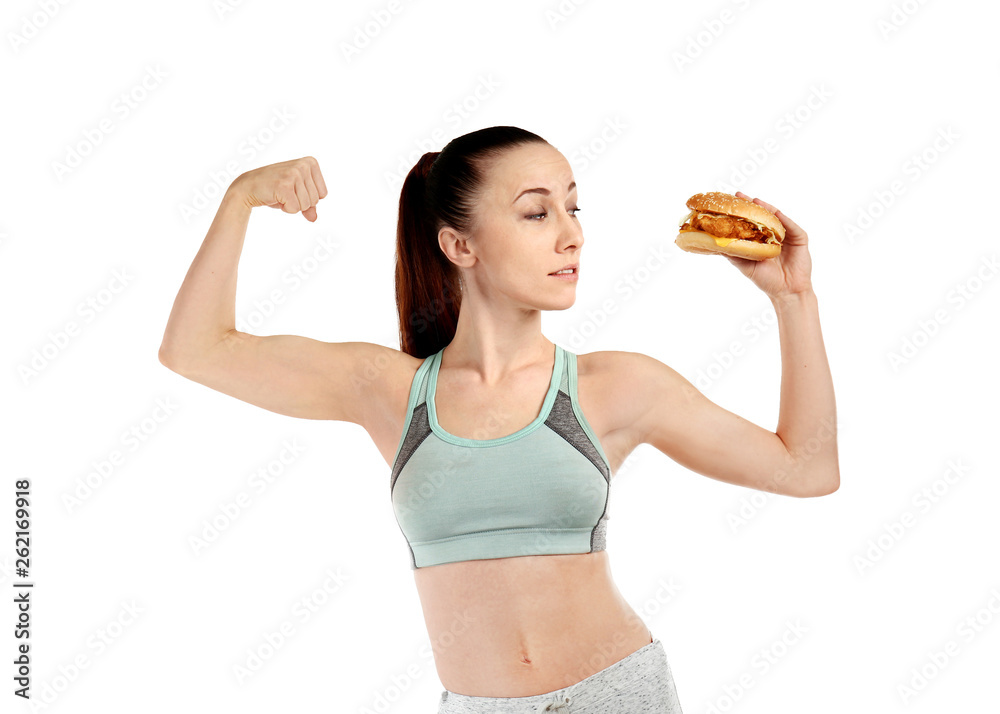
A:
{"x": 608, "y": 360}
{"x": 615, "y": 388}
{"x": 623, "y": 372}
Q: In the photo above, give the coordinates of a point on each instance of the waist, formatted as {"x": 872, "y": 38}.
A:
{"x": 515, "y": 627}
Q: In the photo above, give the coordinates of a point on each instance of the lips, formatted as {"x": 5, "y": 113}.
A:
{"x": 575, "y": 267}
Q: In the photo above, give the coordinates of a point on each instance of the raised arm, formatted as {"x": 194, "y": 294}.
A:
{"x": 800, "y": 457}
{"x": 287, "y": 374}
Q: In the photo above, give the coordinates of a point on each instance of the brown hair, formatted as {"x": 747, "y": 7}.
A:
{"x": 442, "y": 189}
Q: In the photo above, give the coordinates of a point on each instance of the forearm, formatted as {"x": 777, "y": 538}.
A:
{"x": 807, "y": 422}
{"x": 204, "y": 310}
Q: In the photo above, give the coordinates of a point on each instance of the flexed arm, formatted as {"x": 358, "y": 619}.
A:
{"x": 204, "y": 311}
{"x": 287, "y": 374}
{"x": 807, "y": 421}
{"x": 800, "y": 457}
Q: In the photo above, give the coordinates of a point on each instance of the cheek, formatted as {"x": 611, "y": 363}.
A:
{"x": 511, "y": 255}
{"x": 524, "y": 264}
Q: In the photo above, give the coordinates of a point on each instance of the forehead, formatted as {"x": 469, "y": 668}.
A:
{"x": 530, "y": 166}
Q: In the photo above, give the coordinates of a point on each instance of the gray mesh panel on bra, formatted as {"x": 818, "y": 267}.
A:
{"x": 563, "y": 421}
{"x": 419, "y": 429}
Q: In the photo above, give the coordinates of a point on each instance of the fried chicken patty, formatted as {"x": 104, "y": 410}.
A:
{"x": 725, "y": 226}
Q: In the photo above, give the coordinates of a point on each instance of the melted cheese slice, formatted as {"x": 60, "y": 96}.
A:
{"x": 721, "y": 242}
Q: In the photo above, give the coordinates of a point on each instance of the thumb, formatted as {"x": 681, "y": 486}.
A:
{"x": 745, "y": 265}
{"x": 310, "y": 213}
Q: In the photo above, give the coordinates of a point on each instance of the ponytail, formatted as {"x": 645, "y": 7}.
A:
{"x": 427, "y": 297}
{"x": 441, "y": 190}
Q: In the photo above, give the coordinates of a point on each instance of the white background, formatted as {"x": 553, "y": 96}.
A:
{"x": 819, "y": 109}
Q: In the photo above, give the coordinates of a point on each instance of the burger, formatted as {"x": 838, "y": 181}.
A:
{"x": 723, "y": 223}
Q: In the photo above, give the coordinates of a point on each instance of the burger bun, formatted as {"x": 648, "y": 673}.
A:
{"x": 698, "y": 241}
{"x": 701, "y": 242}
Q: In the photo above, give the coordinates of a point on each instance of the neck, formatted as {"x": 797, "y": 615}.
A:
{"x": 496, "y": 342}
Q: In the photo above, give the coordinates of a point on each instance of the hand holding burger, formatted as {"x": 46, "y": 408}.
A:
{"x": 766, "y": 245}
{"x": 723, "y": 223}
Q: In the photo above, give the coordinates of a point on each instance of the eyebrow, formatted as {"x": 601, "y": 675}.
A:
{"x": 542, "y": 190}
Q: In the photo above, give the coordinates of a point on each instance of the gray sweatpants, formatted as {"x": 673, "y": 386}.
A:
{"x": 642, "y": 683}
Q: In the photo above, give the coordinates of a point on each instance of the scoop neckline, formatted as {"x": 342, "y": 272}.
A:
{"x": 550, "y": 397}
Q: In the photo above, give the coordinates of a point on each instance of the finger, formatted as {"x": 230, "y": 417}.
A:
{"x": 766, "y": 205}
{"x": 740, "y": 194}
{"x": 318, "y": 178}
{"x": 311, "y": 190}
{"x": 794, "y": 234}
{"x": 790, "y": 225}
{"x": 792, "y": 229}
{"x": 284, "y": 196}
{"x": 310, "y": 214}
{"x": 302, "y": 194}
{"x": 742, "y": 264}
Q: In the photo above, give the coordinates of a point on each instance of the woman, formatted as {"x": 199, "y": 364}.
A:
{"x": 502, "y": 444}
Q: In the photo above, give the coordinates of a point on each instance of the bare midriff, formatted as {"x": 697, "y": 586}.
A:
{"x": 517, "y": 627}
{"x": 527, "y": 625}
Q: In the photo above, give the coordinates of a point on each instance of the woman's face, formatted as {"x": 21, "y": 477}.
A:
{"x": 522, "y": 236}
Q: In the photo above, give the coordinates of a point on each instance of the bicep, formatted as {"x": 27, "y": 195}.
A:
{"x": 704, "y": 437}
{"x": 292, "y": 375}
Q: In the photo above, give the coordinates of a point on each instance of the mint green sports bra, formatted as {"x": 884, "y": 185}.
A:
{"x": 542, "y": 490}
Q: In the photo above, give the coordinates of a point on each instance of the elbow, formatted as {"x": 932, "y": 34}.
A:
{"x": 182, "y": 357}
{"x": 813, "y": 476}
{"x": 168, "y": 349}
{"x": 801, "y": 483}
{"x": 166, "y": 359}
{"x": 169, "y": 359}
{"x": 823, "y": 485}
{"x": 834, "y": 484}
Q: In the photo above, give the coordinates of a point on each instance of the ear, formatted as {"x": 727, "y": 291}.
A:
{"x": 457, "y": 247}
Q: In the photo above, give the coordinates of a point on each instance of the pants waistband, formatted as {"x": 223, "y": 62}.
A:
{"x": 623, "y": 675}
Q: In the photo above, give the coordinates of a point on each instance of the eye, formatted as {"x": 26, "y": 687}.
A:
{"x": 537, "y": 215}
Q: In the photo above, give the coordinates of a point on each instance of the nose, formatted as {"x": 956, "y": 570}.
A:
{"x": 570, "y": 231}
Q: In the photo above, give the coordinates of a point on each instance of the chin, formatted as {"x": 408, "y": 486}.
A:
{"x": 564, "y": 302}
{"x": 543, "y": 297}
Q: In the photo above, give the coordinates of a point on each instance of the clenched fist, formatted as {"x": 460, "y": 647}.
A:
{"x": 292, "y": 186}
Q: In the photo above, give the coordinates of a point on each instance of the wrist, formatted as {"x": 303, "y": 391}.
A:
{"x": 235, "y": 195}
{"x": 790, "y": 299}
